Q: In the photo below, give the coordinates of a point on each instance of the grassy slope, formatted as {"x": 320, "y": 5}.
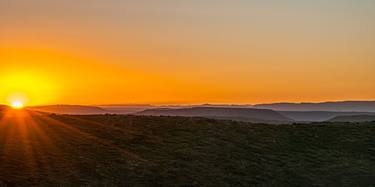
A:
{"x": 176, "y": 151}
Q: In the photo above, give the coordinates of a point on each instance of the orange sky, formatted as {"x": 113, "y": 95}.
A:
{"x": 109, "y": 52}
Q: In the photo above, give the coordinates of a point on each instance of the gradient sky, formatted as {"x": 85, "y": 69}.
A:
{"x": 194, "y": 51}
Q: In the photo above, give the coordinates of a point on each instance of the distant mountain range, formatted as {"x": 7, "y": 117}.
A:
{"x": 238, "y": 114}
{"x": 263, "y": 113}
{"x": 345, "y": 106}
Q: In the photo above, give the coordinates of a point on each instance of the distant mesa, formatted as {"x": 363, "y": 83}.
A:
{"x": 318, "y": 116}
{"x": 236, "y": 114}
{"x": 355, "y": 118}
{"x": 344, "y": 106}
{"x": 125, "y": 109}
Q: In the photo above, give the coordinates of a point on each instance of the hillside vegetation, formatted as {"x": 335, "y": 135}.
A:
{"x": 114, "y": 150}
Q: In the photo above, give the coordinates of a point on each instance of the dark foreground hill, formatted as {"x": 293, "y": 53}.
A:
{"x": 236, "y": 114}
{"x": 111, "y": 150}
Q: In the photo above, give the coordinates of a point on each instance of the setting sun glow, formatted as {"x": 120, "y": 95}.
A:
{"x": 192, "y": 52}
{"x": 17, "y": 105}
{"x": 30, "y": 86}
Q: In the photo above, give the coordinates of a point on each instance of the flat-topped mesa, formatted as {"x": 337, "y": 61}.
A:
{"x": 342, "y": 106}
{"x": 354, "y": 118}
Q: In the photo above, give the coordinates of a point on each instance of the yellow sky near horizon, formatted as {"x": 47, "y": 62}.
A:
{"x": 186, "y": 52}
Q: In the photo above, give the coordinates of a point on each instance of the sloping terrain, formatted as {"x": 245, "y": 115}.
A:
{"x": 236, "y": 114}
{"x": 113, "y": 150}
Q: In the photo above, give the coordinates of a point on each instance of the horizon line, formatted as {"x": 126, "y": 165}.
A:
{"x": 197, "y": 104}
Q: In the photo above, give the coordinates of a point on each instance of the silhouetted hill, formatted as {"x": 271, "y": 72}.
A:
{"x": 355, "y": 118}
{"x": 3, "y": 107}
{"x": 237, "y": 114}
{"x": 125, "y": 109}
{"x": 345, "y": 106}
{"x": 115, "y": 150}
{"x": 69, "y": 109}
{"x": 223, "y": 106}
{"x": 316, "y": 116}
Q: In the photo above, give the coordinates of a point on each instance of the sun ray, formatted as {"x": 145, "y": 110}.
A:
{"x": 25, "y": 143}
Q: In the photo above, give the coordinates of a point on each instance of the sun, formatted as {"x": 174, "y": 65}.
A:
{"x": 31, "y": 87}
{"x": 17, "y": 104}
